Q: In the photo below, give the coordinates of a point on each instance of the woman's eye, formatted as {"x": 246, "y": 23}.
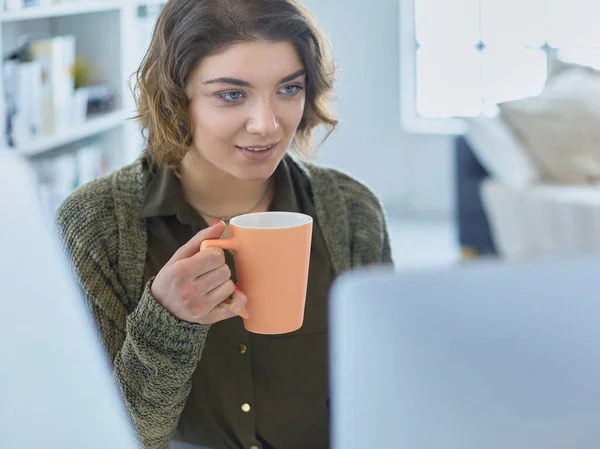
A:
{"x": 231, "y": 97}
{"x": 291, "y": 90}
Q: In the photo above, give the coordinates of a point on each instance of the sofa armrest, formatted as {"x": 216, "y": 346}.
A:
{"x": 543, "y": 220}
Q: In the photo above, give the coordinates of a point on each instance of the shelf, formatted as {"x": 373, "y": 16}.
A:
{"x": 89, "y": 129}
{"x": 60, "y": 10}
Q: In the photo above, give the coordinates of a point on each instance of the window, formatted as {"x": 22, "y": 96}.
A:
{"x": 459, "y": 58}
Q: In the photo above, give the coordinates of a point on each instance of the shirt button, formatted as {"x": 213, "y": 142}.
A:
{"x": 246, "y": 407}
{"x": 243, "y": 348}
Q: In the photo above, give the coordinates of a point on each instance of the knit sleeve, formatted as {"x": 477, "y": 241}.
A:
{"x": 153, "y": 353}
{"x": 369, "y": 235}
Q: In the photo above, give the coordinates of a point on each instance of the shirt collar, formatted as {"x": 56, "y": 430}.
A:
{"x": 286, "y": 197}
{"x": 163, "y": 193}
{"x": 164, "y": 196}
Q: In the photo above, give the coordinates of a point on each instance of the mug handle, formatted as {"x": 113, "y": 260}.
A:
{"x": 230, "y": 244}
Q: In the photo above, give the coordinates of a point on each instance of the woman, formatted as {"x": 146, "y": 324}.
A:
{"x": 227, "y": 88}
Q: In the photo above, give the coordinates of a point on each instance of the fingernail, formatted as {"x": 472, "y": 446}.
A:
{"x": 216, "y": 223}
{"x": 237, "y": 287}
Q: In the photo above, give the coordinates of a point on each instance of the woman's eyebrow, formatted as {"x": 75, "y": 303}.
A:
{"x": 293, "y": 76}
{"x": 242, "y": 83}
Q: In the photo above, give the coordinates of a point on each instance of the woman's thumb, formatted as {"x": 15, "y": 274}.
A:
{"x": 192, "y": 247}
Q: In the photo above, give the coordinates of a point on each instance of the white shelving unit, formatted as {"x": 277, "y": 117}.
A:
{"x": 59, "y": 10}
{"x": 112, "y": 36}
{"x": 93, "y": 127}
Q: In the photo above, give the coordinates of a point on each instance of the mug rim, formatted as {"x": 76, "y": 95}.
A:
{"x": 307, "y": 219}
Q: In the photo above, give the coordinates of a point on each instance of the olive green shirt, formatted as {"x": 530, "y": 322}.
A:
{"x": 154, "y": 354}
{"x": 282, "y": 380}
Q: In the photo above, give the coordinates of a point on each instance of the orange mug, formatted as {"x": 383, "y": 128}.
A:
{"x": 272, "y": 253}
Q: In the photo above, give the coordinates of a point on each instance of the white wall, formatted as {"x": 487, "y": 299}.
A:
{"x": 411, "y": 173}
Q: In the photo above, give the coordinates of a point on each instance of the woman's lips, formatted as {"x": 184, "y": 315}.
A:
{"x": 258, "y": 153}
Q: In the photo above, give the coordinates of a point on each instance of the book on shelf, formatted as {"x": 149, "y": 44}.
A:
{"x": 23, "y": 89}
{"x": 59, "y": 175}
{"x": 40, "y": 98}
{"x": 57, "y": 56}
{"x": 39, "y": 88}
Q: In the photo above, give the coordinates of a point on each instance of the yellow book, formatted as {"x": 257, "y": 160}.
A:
{"x": 57, "y": 57}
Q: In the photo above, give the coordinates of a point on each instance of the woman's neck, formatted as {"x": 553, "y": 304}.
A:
{"x": 215, "y": 193}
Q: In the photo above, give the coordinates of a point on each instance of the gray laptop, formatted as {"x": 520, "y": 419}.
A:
{"x": 56, "y": 387}
{"x": 486, "y": 356}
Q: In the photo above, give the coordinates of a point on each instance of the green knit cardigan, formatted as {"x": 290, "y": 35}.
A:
{"x": 154, "y": 354}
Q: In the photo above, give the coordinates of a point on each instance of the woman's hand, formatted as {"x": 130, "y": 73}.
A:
{"x": 195, "y": 285}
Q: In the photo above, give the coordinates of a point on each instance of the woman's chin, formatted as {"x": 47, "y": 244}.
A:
{"x": 255, "y": 175}
{"x": 254, "y": 172}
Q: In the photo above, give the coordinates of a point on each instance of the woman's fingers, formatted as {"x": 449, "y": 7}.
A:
{"x": 230, "y": 308}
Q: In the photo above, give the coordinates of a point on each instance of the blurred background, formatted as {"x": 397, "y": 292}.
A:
{"x": 475, "y": 121}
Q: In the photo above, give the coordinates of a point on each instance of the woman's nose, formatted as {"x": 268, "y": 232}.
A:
{"x": 263, "y": 120}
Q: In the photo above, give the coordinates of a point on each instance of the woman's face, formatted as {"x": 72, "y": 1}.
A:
{"x": 245, "y": 106}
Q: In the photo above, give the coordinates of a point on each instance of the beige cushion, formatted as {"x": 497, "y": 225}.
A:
{"x": 559, "y": 67}
{"x": 500, "y": 152}
{"x": 561, "y": 127}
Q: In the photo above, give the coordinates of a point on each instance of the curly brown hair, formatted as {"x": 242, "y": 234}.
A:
{"x": 189, "y": 30}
